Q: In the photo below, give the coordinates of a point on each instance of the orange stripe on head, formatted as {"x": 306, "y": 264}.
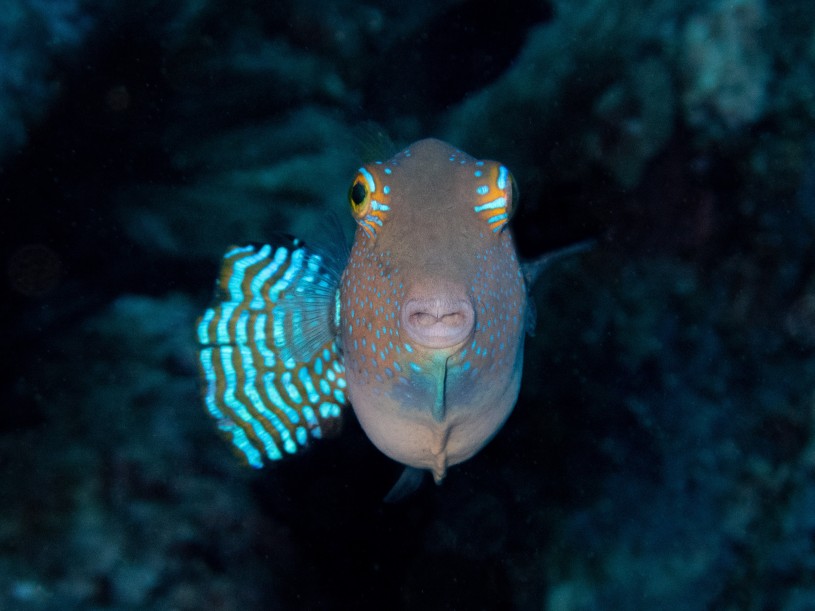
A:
{"x": 494, "y": 194}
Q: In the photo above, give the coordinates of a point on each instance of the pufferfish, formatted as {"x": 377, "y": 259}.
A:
{"x": 420, "y": 328}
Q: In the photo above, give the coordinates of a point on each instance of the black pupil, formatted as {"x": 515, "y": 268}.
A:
{"x": 358, "y": 193}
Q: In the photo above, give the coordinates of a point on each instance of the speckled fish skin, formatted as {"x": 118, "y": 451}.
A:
{"x": 433, "y": 306}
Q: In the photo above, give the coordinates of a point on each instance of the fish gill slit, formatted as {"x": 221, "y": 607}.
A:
{"x": 440, "y": 374}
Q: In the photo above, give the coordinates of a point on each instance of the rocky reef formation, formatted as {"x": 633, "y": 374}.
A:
{"x": 662, "y": 454}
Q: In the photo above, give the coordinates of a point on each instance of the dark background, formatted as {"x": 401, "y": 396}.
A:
{"x": 661, "y": 454}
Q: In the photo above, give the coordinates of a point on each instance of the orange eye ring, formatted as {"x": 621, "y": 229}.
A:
{"x": 368, "y": 197}
{"x": 359, "y": 195}
{"x": 496, "y": 194}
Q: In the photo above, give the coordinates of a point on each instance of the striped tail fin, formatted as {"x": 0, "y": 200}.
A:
{"x": 271, "y": 370}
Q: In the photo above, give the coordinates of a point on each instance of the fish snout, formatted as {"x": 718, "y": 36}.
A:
{"x": 438, "y": 322}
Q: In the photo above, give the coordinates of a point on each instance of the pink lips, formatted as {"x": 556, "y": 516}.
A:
{"x": 438, "y": 322}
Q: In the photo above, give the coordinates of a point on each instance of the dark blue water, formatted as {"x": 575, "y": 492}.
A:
{"x": 662, "y": 451}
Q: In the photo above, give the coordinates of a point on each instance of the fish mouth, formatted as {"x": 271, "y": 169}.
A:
{"x": 438, "y": 322}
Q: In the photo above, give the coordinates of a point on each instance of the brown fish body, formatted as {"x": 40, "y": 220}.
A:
{"x": 422, "y": 330}
{"x": 433, "y": 306}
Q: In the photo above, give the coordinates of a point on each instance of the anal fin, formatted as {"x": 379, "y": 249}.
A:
{"x": 407, "y": 484}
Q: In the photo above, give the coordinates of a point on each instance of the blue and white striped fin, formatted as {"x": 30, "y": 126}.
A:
{"x": 272, "y": 373}
{"x": 308, "y": 314}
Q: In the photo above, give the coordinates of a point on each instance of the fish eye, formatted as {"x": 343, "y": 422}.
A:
{"x": 496, "y": 195}
{"x": 512, "y": 194}
{"x": 359, "y": 196}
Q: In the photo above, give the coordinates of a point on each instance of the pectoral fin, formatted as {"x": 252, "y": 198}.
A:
{"x": 272, "y": 373}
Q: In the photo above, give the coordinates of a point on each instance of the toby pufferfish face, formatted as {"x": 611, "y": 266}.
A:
{"x": 432, "y": 305}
